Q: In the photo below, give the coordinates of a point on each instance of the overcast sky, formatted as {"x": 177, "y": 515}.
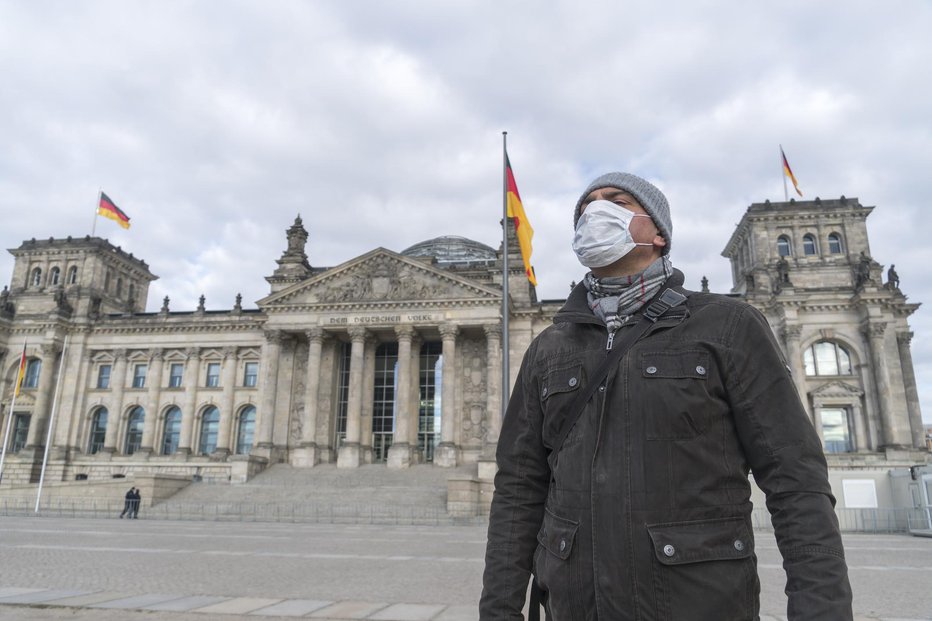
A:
{"x": 213, "y": 124}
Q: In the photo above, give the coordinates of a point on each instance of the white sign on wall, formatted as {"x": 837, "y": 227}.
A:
{"x": 860, "y": 493}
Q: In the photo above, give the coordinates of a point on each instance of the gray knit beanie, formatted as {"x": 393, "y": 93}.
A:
{"x": 651, "y": 199}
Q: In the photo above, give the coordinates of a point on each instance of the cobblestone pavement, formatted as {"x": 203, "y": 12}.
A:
{"x": 109, "y": 570}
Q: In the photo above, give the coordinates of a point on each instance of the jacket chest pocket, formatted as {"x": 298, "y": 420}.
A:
{"x": 673, "y": 393}
{"x": 558, "y": 389}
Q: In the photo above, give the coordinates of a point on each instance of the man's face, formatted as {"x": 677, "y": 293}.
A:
{"x": 643, "y": 230}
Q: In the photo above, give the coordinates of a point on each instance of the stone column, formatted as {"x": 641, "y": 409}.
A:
{"x": 791, "y": 334}
{"x": 271, "y": 353}
{"x": 445, "y": 455}
{"x": 891, "y": 432}
{"x": 115, "y": 413}
{"x": 35, "y": 437}
{"x": 493, "y": 381}
{"x": 192, "y": 374}
{"x": 156, "y": 365}
{"x": 903, "y": 340}
{"x": 348, "y": 456}
{"x": 306, "y": 455}
{"x": 401, "y": 451}
{"x": 227, "y": 403}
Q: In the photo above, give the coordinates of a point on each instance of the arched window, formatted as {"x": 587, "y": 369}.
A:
{"x": 134, "y": 426}
{"x": 809, "y": 245}
{"x": 36, "y": 279}
{"x": 172, "y": 431}
{"x": 33, "y": 369}
{"x": 119, "y": 287}
{"x": 73, "y": 275}
{"x": 827, "y": 358}
{"x": 210, "y": 425}
{"x": 107, "y": 282}
{"x": 246, "y": 430}
{"x": 98, "y": 431}
{"x": 131, "y": 296}
{"x": 54, "y": 276}
{"x": 783, "y": 246}
{"x": 834, "y": 243}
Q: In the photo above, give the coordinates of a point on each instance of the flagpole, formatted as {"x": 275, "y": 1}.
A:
{"x": 48, "y": 436}
{"x": 786, "y": 194}
{"x": 506, "y": 375}
{"x": 9, "y": 419}
{"x": 100, "y": 192}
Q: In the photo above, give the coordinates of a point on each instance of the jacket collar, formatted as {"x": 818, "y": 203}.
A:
{"x": 576, "y": 309}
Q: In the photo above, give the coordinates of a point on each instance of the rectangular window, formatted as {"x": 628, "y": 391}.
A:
{"x": 33, "y": 368}
{"x": 431, "y": 389}
{"x": 213, "y": 374}
{"x": 342, "y": 395}
{"x": 103, "y": 376}
{"x": 139, "y": 375}
{"x": 20, "y": 432}
{"x": 383, "y": 400}
{"x": 175, "y": 375}
{"x": 251, "y": 375}
{"x": 836, "y": 432}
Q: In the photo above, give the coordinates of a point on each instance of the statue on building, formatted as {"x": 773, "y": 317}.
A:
{"x": 200, "y": 304}
{"x": 862, "y": 272}
{"x": 705, "y": 285}
{"x": 61, "y": 301}
{"x": 783, "y": 275}
{"x": 164, "y": 309}
{"x": 6, "y": 306}
{"x": 93, "y": 309}
{"x": 893, "y": 279}
{"x": 749, "y": 282}
{"x": 238, "y": 305}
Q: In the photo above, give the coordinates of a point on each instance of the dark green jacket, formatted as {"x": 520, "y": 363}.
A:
{"x": 646, "y": 513}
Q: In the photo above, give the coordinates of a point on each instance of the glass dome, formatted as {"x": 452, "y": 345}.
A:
{"x": 451, "y": 249}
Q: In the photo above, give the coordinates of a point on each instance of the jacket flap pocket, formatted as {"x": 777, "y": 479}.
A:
{"x": 561, "y": 380}
{"x": 557, "y": 534}
{"x": 675, "y": 364}
{"x": 679, "y": 543}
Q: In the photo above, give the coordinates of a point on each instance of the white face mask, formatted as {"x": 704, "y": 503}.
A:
{"x": 603, "y": 234}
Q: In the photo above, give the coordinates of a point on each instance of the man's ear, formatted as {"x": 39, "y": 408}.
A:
{"x": 659, "y": 241}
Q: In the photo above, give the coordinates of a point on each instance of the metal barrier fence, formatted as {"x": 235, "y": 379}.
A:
{"x": 240, "y": 512}
{"x": 863, "y": 520}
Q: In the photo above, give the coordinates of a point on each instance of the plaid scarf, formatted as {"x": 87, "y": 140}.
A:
{"x": 615, "y": 299}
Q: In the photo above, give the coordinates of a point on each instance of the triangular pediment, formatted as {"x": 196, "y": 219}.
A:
{"x": 380, "y": 277}
{"x": 837, "y": 389}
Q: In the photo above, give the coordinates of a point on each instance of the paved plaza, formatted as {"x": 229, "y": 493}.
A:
{"x": 109, "y": 570}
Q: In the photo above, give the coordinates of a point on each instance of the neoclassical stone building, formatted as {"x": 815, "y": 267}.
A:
{"x": 396, "y": 357}
{"x": 390, "y": 357}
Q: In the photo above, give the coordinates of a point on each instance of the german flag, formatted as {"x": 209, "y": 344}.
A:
{"x": 108, "y": 209}
{"x": 22, "y": 372}
{"x": 523, "y": 228}
{"x": 789, "y": 172}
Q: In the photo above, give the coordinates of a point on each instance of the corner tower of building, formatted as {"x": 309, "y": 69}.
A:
{"x": 808, "y": 267}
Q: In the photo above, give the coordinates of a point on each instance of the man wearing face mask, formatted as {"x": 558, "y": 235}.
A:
{"x": 625, "y": 450}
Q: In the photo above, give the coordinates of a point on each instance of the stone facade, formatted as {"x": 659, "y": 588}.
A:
{"x": 396, "y": 357}
{"x": 392, "y": 357}
{"x": 807, "y": 266}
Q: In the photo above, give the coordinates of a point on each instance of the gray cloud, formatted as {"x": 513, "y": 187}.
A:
{"x": 213, "y": 124}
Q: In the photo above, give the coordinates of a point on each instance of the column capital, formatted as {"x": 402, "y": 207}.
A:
{"x": 448, "y": 330}
{"x": 874, "y": 329}
{"x": 50, "y": 349}
{"x": 156, "y": 353}
{"x": 315, "y": 335}
{"x": 492, "y": 331}
{"x": 119, "y": 354}
{"x": 792, "y": 332}
{"x": 229, "y": 351}
{"x": 275, "y": 337}
{"x": 357, "y": 333}
{"x": 404, "y": 332}
{"x": 193, "y": 352}
{"x": 904, "y": 338}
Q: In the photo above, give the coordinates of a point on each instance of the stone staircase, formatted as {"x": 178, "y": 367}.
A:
{"x": 324, "y": 493}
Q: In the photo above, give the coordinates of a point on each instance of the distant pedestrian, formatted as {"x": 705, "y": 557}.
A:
{"x": 128, "y": 502}
{"x": 137, "y": 498}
